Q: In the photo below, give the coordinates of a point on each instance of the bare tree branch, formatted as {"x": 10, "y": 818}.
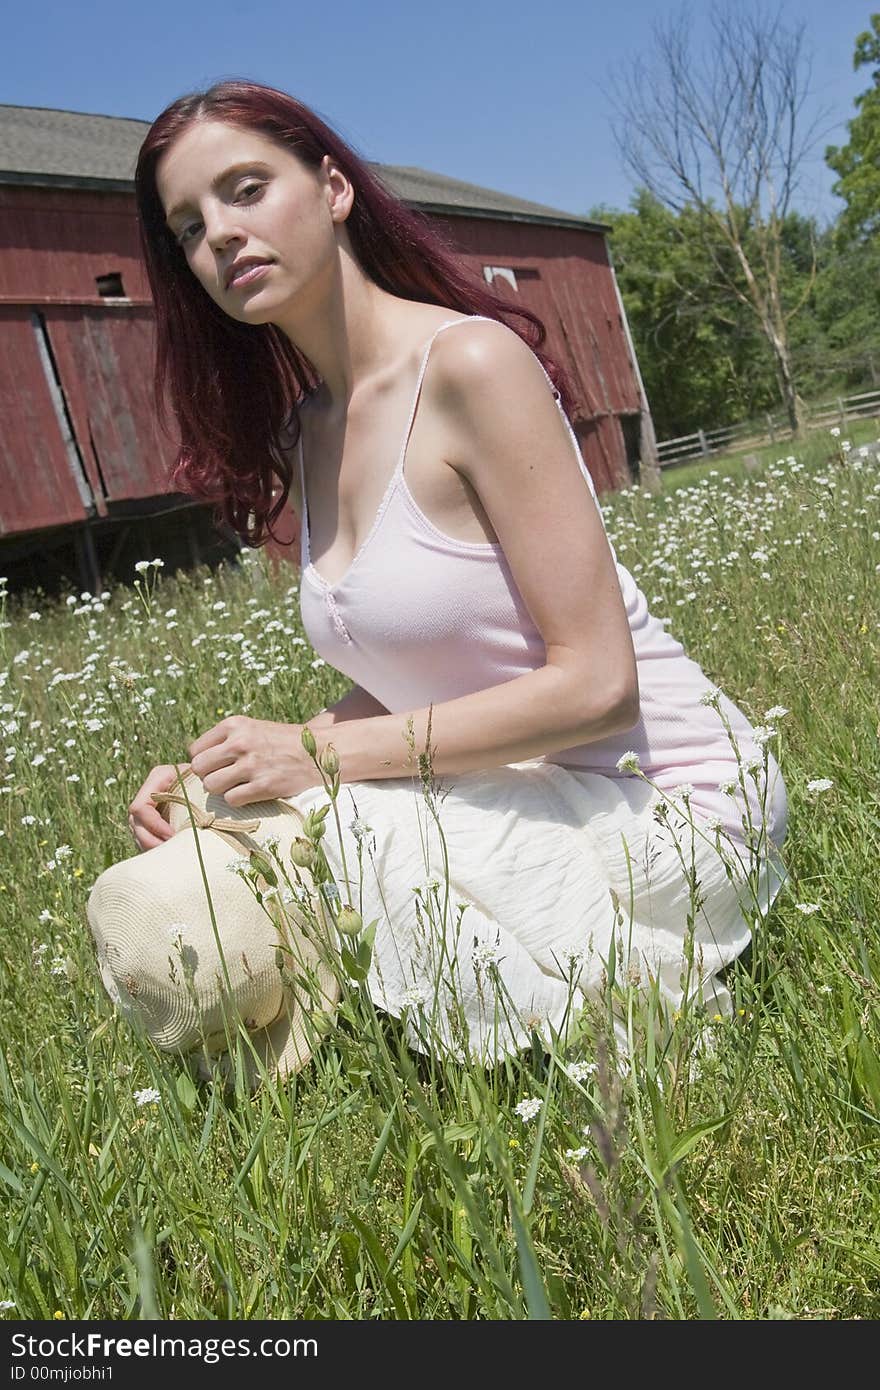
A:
{"x": 721, "y": 132}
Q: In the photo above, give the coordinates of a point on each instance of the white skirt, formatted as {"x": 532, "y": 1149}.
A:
{"x": 553, "y": 875}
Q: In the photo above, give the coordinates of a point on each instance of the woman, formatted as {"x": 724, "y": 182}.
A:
{"x": 311, "y": 329}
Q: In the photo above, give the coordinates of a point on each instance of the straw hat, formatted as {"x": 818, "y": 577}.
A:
{"x": 158, "y": 952}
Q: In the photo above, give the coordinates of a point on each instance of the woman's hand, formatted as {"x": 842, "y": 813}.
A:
{"x": 249, "y": 760}
{"x": 145, "y": 821}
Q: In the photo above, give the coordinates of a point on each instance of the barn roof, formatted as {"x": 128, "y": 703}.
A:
{"x": 77, "y": 149}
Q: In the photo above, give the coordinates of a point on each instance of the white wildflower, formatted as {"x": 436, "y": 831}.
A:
{"x": 834, "y": 432}
{"x": 528, "y": 1109}
{"x": 415, "y": 997}
{"x": 579, "y": 1071}
{"x": 807, "y": 908}
{"x": 762, "y": 734}
{"x": 148, "y": 1096}
{"x": 629, "y": 762}
{"x": 710, "y": 696}
{"x": 776, "y": 712}
{"x": 820, "y": 784}
{"x": 578, "y": 1155}
{"x": 239, "y": 864}
{"x": 359, "y": 828}
{"x": 485, "y": 954}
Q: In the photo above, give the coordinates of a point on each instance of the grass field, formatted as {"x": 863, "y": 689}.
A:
{"x": 817, "y": 446}
{"x": 736, "y": 1182}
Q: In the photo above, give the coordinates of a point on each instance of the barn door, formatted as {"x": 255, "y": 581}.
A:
{"x": 41, "y": 477}
{"x": 105, "y": 362}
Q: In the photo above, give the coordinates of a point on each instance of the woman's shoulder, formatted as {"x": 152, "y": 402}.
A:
{"x": 484, "y": 367}
{"x": 483, "y": 349}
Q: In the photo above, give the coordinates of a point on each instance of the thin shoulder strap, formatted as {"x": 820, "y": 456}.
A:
{"x": 557, "y": 396}
{"x": 450, "y": 323}
{"x": 304, "y": 520}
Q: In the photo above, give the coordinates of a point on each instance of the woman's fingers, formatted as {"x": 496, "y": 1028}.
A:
{"x": 146, "y": 822}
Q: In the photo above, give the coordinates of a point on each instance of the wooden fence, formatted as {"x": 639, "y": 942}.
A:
{"x": 771, "y": 430}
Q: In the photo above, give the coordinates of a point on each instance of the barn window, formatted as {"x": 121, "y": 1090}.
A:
{"x": 503, "y": 272}
{"x": 512, "y": 274}
{"x": 110, "y": 286}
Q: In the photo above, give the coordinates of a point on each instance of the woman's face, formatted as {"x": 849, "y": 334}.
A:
{"x": 231, "y": 195}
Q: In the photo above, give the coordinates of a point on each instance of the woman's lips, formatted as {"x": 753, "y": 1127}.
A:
{"x": 253, "y": 272}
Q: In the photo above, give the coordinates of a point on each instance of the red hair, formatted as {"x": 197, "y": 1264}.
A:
{"x": 235, "y": 387}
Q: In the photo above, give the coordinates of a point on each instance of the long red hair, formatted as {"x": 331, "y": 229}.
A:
{"x": 235, "y": 387}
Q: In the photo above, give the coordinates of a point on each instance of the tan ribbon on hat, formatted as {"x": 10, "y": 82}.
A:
{"x": 207, "y": 820}
{"x": 228, "y": 828}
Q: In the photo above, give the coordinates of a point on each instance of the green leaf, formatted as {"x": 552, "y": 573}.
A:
{"x": 186, "y": 1091}
{"x": 379, "y": 1150}
{"x": 691, "y": 1137}
{"x": 406, "y": 1235}
{"x": 533, "y": 1284}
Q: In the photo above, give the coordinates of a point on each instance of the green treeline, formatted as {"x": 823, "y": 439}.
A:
{"x": 704, "y": 360}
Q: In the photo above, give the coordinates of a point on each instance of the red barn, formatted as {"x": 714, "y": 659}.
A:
{"x": 83, "y": 465}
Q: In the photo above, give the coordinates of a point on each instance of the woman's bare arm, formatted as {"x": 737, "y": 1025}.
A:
{"x": 357, "y": 704}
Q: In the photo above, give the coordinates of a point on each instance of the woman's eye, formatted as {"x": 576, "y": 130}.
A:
{"x": 184, "y": 235}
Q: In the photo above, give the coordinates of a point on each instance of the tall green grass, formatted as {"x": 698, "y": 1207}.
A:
{"x": 736, "y": 1181}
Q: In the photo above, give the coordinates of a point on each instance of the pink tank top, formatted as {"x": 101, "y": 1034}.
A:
{"x": 421, "y": 617}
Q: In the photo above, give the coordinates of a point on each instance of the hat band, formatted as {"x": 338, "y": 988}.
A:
{"x": 206, "y": 820}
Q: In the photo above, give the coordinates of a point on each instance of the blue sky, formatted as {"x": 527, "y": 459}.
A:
{"x": 505, "y": 95}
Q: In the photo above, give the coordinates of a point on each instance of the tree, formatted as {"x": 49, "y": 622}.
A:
{"x": 858, "y": 162}
{"x": 702, "y": 355}
{"x": 722, "y": 137}
{"x": 696, "y": 350}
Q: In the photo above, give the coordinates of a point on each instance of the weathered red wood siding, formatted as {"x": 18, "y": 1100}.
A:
{"x": 37, "y": 488}
{"x": 56, "y": 324}
{"x": 563, "y": 275}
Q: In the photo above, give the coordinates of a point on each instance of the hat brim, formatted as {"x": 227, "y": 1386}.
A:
{"x": 170, "y": 877}
{"x": 288, "y": 1043}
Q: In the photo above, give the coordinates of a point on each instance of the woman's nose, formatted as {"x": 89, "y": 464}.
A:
{"x": 221, "y": 227}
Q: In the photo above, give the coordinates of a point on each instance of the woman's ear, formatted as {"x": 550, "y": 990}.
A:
{"x": 340, "y": 188}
